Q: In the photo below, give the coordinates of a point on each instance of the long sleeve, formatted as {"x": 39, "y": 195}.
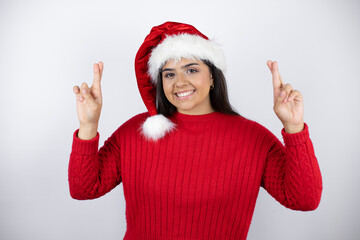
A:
{"x": 93, "y": 172}
{"x": 292, "y": 174}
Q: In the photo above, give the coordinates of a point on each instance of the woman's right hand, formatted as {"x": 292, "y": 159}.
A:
{"x": 89, "y": 100}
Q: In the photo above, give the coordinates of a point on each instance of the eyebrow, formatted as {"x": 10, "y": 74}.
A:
{"x": 185, "y": 66}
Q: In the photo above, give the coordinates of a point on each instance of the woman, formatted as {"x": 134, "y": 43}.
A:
{"x": 191, "y": 167}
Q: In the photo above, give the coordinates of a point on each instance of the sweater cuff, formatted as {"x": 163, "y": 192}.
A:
{"x": 85, "y": 146}
{"x": 295, "y": 138}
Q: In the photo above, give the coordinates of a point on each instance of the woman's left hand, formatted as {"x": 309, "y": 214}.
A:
{"x": 288, "y": 103}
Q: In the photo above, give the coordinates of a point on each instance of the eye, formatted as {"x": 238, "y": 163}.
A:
{"x": 169, "y": 75}
{"x": 192, "y": 70}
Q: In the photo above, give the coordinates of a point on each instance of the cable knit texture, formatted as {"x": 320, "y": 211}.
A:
{"x": 201, "y": 180}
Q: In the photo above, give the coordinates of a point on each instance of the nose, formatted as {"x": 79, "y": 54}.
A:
{"x": 181, "y": 80}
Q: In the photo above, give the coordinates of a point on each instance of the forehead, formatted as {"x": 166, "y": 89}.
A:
{"x": 174, "y": 63}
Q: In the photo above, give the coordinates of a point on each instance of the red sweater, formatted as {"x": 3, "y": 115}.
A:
{"x": 200, "y": 181}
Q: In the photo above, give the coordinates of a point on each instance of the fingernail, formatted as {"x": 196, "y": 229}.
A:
{"x": 282, "y": 93}
{"x": 84, "y": 91}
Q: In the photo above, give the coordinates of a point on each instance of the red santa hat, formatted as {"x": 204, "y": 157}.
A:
{"x": 167, "y": 41}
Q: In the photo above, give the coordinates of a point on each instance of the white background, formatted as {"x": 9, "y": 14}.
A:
{"x": 47, "y": 47}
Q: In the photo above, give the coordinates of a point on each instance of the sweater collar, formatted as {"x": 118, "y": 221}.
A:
{"x": 180, "y": 117}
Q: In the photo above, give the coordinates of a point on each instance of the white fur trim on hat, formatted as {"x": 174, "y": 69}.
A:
{"x": 185, "y": 46}
{"x": 156, "y": 127}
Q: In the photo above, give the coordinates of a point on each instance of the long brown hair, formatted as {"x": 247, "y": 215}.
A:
{"x": 218, "y": 96}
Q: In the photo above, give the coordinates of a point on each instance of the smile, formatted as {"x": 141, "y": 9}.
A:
{"x": 184, "y": 94}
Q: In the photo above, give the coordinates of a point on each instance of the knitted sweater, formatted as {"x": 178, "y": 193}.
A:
{"x": 200, "y": 181}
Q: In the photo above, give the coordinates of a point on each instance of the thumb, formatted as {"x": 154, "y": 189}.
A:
{"x": 280, "y": 97}
{"x": 89, "y": 98}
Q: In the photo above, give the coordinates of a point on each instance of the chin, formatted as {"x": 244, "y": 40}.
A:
{"x": 185, "y": 108}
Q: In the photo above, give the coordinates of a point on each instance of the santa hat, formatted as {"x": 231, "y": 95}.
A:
{"x": 167, "y": 41}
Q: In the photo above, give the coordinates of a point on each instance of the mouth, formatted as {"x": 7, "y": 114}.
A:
{"x": 184, "y": 95}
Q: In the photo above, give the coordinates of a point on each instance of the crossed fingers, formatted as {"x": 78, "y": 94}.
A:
{"x": 282, "y": 92}
{"x": 83, "y": 91}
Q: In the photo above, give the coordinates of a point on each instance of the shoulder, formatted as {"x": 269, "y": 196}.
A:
{"x": 238, "y": 119}
{"x": 251, "y": 127}
{"x": 137, "y": 119}
{"x": 233, "y": 119}
{"x": 133, "y": 124}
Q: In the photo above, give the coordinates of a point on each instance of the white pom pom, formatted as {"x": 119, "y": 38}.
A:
{"x": 157, "y": 126}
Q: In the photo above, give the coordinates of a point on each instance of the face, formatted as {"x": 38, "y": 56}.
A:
{"x": 187, "y": 84}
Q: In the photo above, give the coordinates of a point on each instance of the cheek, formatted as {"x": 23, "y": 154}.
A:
{"x": 167, "y": 89}
{"x": 204, "y": 84}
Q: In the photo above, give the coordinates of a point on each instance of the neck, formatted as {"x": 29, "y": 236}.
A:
{"x": 196, "y": 112}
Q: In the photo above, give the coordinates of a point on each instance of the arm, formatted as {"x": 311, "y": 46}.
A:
{"x": 291, "y": 174}
{"x": 93, "y": 172}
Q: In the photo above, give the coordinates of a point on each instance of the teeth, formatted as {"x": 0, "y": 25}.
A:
{"x": 184, "y": 94}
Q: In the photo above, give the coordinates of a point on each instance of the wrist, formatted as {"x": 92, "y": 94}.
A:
{"x": 89, "y": 126}
{"x": 294, "y": 128}
{"x": 87, "y": 132}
